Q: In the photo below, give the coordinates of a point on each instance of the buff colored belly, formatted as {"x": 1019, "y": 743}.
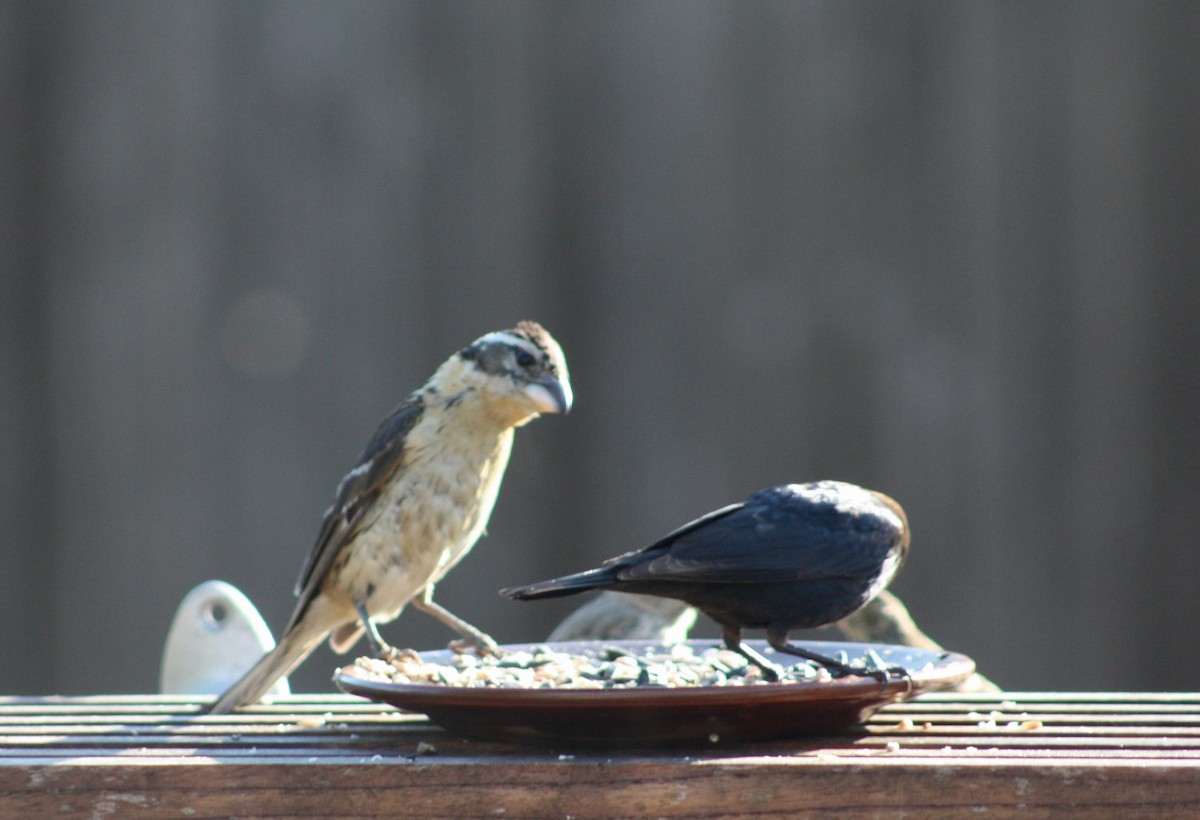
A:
{"x": 425, "y": 523}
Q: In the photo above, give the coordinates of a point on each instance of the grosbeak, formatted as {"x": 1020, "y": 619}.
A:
{"x": 416, "y": 501}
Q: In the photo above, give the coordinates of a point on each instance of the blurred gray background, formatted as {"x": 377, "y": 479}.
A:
{"x": 947, "y": 250}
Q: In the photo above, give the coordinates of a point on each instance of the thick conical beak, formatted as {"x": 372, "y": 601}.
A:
{"x": 550, "y": 395}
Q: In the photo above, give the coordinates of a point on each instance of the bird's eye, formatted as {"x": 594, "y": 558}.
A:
{"x": 525, "y": 358}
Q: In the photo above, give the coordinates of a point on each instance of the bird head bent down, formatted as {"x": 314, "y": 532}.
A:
{"x": 521, "y": 370}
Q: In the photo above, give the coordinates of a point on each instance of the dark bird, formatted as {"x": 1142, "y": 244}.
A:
{"x": 795, "y": 556}
{"x": 416, "y": 501}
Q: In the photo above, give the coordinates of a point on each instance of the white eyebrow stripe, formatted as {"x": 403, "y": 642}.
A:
{"x": 500, "y": 337}
{"x": 509, "y": 340}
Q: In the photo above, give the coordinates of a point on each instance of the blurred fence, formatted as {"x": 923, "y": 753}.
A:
{"x": 946, "y": 250}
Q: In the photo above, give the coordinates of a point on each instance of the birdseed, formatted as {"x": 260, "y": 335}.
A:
{"x": 605, "y": 667}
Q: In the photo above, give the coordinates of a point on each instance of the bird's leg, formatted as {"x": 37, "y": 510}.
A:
{"x": 379, "y": 647}
{"x": 733, "y": 641}
{"x": 471, "y": 637}
{"x": 779, "y": 642}
{"x": 824, "y": 660}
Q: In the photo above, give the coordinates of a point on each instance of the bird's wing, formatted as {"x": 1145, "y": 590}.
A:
{"x": 662, "y": 545}
{"x": 770, "y": 538}
{"x": 351, "y": 510}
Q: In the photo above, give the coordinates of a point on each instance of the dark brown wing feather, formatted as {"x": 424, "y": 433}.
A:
{"x": 352, "y": 506}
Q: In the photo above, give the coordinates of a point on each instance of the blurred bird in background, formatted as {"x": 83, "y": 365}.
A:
{"x": 614, "y": 616}
{"x": 795, "y": 556}
{"x": 416, "y": 501}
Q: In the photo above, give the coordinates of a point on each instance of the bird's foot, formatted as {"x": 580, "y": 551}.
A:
{"x": 389, "y": 653}
{"x": 481, "y": 644}
{"x": 898, "y": 671}
{"x": 770, "y": 671}
{"x": 877, "y": 670}
{"x": 843, "y": 670}
{"x": 884, "y": 675}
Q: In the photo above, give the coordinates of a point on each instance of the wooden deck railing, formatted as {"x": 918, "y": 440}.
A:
{"x": 1108, "y": 754}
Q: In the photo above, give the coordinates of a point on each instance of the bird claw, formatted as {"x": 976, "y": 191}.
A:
{"x": 902, "y": 673}
{"x": 884, "y": 676}
{"x": 389, "y": 653}
{"x": 770, "y": 671}
{"x": 482, "y": 645}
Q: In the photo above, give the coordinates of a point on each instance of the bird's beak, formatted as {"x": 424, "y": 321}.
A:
{"x": 550, "y": 395}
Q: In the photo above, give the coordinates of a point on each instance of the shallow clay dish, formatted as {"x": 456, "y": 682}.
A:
{"x": 645, "y": 716}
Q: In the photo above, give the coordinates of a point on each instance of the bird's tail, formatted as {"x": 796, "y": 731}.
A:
{"x": 296, "y": 645}
{"x": 566, "y": 585}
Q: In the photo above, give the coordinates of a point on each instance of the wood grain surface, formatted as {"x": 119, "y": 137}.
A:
{"x": 148, "y": 757}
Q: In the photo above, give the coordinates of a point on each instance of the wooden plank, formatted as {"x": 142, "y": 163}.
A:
{"x": 155, "y": 721}
{"x": 593, "y": 788}
{"x": 1014, "y": 696}
{"x": 135, "y": 759}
